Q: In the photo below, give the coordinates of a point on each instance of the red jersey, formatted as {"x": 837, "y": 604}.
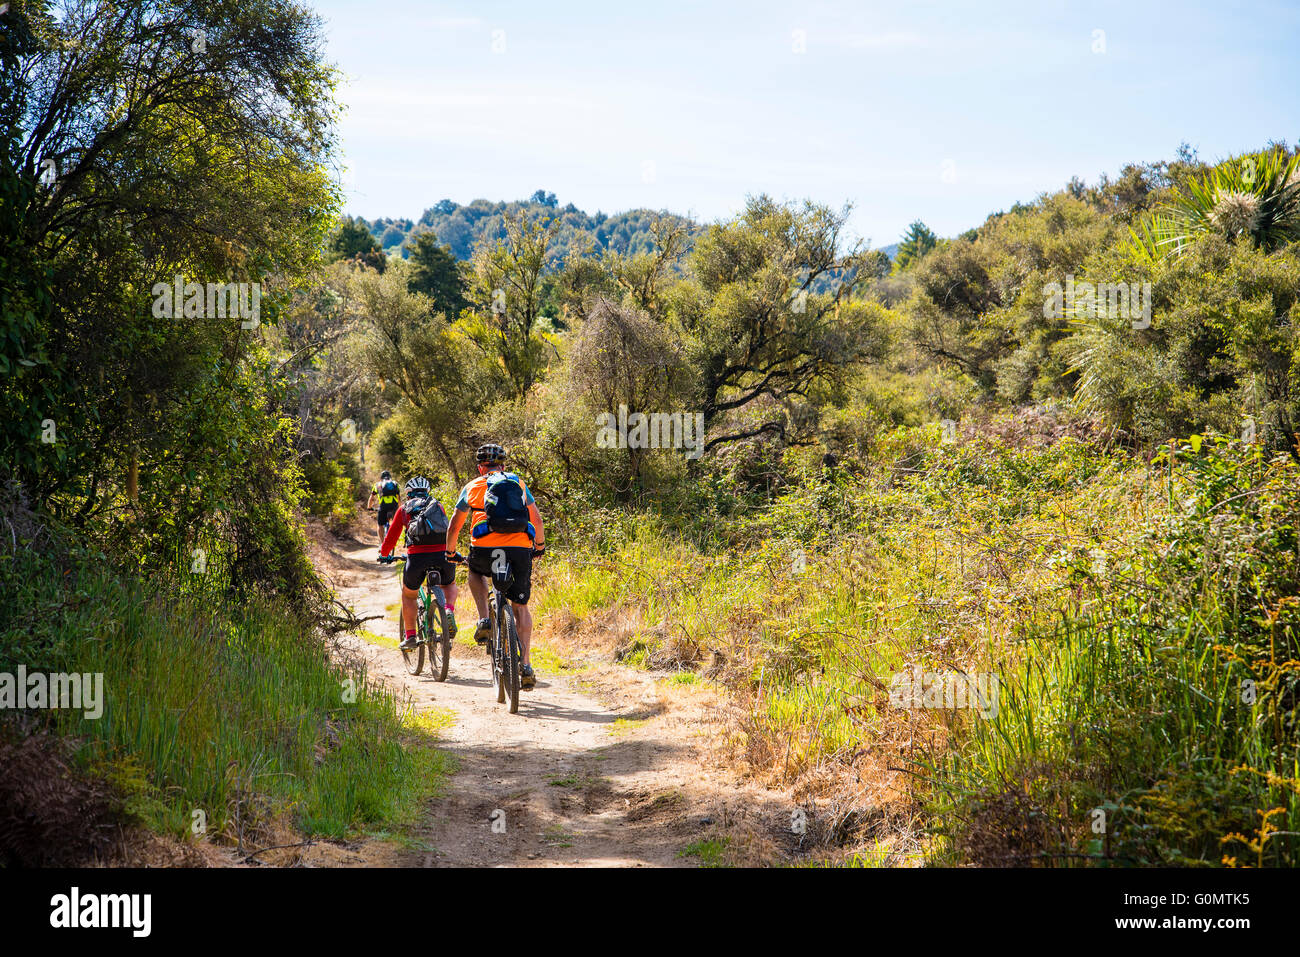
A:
{"x": 397, "y": 527}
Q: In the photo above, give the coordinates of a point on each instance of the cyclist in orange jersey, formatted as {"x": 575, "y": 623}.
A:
{"x": 505, "y": 529}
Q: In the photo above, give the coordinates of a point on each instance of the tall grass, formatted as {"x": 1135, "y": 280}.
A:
{"x": 936, "y": 556}
{"x": 1142, "y": 620}
{"x": 232, "y": 710}
{"x": 1157, "y": 723}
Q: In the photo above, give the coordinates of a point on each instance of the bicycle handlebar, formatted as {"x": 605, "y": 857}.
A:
{"x": 456, "y": 558}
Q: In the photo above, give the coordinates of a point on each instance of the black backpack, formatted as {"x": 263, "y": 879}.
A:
{"x": 426, "y": 522}
{"x": 504, "y": 503}
{"x": 389, "y": 488}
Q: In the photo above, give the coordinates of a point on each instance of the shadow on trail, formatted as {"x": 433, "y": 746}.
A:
{"x": 540, "y": 709}
{"x": 539, "y": 805}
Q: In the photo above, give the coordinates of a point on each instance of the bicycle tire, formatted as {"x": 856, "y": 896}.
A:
{"x": 494, "y": 649}
{"x": 512, "y": 663}
{"x": 439, "y": 640}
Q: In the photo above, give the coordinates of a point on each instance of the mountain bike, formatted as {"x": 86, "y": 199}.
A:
{"x": 431, "y": 631}
{"x": 503, "y": 645}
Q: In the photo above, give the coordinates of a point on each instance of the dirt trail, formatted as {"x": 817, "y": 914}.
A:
{"x": 608, "y": 767}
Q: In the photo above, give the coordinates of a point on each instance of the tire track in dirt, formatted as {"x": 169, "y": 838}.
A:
{"x": 618, "y": 777}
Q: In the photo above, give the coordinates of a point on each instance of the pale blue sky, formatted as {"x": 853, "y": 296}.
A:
{"x": 939, "y": 111}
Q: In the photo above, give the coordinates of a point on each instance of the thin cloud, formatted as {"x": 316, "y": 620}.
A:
{"x": 892, "y": 40}
{"x": 379, "y": 96}
{"x": 451, "y": 23}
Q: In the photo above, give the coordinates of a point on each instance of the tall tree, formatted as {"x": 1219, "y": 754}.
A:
{"x": 353, "y": 240}
{"x": 761, "y": 333}
{"x": 435, "y": 273}
{"x": 508, "y": 285}
{"x": 916, "y": 242}
{"x": 146, "y": 145}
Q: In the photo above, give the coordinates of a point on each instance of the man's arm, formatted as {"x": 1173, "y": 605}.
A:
{"x": 536, "y": 517}
{"x": 395, "y": 529}
{"x": 371, "y": 500}
{"x": 457, "y": 522}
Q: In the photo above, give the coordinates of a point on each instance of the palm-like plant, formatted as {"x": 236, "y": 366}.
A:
{"x": 1255, "y": 197}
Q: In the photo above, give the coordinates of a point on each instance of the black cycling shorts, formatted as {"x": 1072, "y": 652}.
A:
{"x": 386, "y": 512}
{"x": 433, "y": 564}
{"x": 518, "y": 558}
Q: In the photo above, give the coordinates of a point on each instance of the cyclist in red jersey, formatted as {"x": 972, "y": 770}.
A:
{"x": 421, "y": 559}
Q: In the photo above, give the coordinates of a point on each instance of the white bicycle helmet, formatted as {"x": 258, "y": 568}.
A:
{"x": 419, "y": 484}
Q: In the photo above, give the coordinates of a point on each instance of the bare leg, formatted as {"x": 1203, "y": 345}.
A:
{"x": 410, "y": 611}
{"x": 478, "y": 588}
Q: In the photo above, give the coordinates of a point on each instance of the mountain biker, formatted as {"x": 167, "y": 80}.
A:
{"x": 478, "y": 499}
{"x": 386, "y": 491}
{"x": 425, "y": 523}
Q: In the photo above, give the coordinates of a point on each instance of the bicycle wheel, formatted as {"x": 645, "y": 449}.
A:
{"x": 512, "y": 664}
{"x": 498, "y": 659}
{"x": 414, "y": 658}
{"x": 438, "y": 638}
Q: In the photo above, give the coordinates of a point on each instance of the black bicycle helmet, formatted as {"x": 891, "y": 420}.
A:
{"x": 385, "y": 474}
{"x": 490, "y": 454}
{"x": 418, "y": 486}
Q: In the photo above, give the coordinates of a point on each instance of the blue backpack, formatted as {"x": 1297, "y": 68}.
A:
{"x": 504, "y": 503}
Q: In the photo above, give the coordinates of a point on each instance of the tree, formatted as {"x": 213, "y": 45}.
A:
{"x": 435, "y": 273}
{"x": 977, "y": 307}
{"x": 915, "y": 244}
{"x": 622, "y": 357}
{"x": 507, "y": 291}
{"x": 440, "y": 380}
{"x": 138, "y": 157}
{"x": 353, "y": 240}
{"x": 1220, "y": 350}
{"x": 758, "y": 333}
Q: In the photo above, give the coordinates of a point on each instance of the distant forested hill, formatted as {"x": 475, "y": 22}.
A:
{"x": 461, "y": 227}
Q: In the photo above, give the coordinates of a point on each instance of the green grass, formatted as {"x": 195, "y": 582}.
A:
{"x": 955, "y": 563}
{"x": 874, "y": 855}
{"x": 710, "y": 853}
{"x": 960, "y": 555}
{"x": 375, "y": 638}
{"x": 1186, "y": 762}
{"x": 624, "y": 726}
{"x": 225, "y": 708}
{"x": 556, "y": 836}
{"x": 549, "y": 662}
{"x": 577, "y": 781}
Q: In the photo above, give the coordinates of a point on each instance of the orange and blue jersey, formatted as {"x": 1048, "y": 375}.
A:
{"x": 471, "y": 500}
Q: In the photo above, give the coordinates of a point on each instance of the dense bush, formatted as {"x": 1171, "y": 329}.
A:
{"x": 1165, "y": 702}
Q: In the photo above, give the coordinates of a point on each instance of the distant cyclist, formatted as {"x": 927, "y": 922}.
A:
{"x": 385, "y": 491}
{"x": 425, "y": 522}
{"x": 505, "y": 527}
